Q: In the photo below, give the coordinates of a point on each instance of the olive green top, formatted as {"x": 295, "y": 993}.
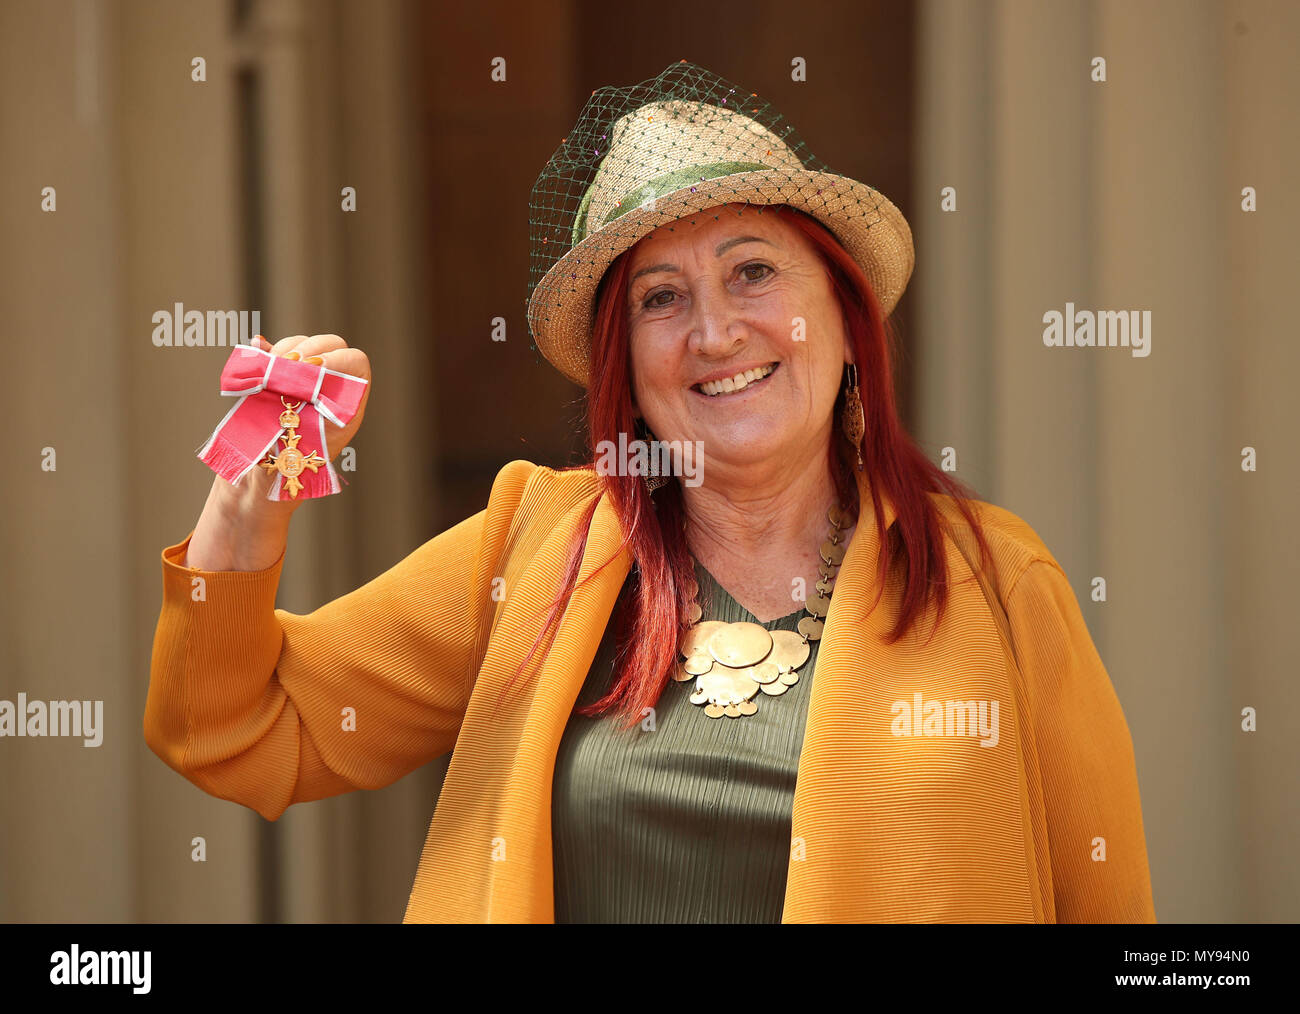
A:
{"x": 683, "y": 818}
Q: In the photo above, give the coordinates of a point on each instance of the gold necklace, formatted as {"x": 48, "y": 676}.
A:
{"x": 732, "y": 662}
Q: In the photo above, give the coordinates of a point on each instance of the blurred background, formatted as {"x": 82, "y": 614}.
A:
{"x": 225, "y": 193}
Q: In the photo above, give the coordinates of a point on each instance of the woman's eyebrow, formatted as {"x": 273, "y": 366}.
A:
{"x": 656, "y": 267}
{"x": 726, "y": 245}
{"x": 722, "y": 248}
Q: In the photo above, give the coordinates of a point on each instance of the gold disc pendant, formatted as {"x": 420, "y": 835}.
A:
{"x": 696, "y": 640}
{"x": 740, "y": 644}
{"x": 789, "y": 650}
{"x": 698, "y": 665}
{"x": 818, "y": 605}
{"x": 811, "y": 628}
{"x": 732, "y": 663}
{"x": 766, "y": 672}
{"x": 832, "y": 552}
{"x": 681, "y": 675}
{"x": 724, "y": 686}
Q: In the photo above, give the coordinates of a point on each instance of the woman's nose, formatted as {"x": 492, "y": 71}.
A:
{"x": 716, "y": 327}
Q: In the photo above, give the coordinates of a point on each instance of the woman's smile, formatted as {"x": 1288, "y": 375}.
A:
{"x": 732, "y": 385}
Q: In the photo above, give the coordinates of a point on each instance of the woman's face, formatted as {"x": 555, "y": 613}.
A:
{"x": 717, "y": 298}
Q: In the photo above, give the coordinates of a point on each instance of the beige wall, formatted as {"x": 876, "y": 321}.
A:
{"x": 97, "y": 101}
{"x": 1124, "y": 195}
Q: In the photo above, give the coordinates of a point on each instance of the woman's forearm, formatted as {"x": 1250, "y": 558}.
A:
{"x": 240, "y": 529}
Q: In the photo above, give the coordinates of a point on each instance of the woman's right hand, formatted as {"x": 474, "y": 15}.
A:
{"x": 240, "y": 529}
{"x": 332, "y": 352}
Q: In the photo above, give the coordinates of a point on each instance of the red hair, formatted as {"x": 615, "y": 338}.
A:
{"x": 654, "y": 614}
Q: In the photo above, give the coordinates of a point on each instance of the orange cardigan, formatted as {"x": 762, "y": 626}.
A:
{"x": 252, "y": 704}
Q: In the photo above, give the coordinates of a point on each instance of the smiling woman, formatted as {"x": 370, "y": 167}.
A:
{"x": 680, "y": 701}
{"x": 691, "y": 304}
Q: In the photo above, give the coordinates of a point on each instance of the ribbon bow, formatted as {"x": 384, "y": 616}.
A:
{"x": 268, "y": 387}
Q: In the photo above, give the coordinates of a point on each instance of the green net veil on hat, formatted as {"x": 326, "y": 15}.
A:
{"x": 647, "y": 155}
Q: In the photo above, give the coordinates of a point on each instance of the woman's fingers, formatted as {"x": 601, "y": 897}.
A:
{"x": 287, "y": 344}
{"x": 307, "y": 345}
{"x": 328, "y": 350}
{"x": 350, "y": 361}
{"x": 318, "y": 345}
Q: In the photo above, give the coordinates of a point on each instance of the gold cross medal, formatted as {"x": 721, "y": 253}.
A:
{"x": 290, "y": 461}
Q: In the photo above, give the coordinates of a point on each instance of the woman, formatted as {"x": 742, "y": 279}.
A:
{"x": 624, "y": 663}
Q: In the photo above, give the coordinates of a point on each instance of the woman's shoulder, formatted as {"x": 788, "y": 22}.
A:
{"x": 1015, "y": 545}
{"x": 540, "y": 492}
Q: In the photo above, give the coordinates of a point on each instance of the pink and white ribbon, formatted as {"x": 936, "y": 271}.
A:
{"x": 252, "y": 429}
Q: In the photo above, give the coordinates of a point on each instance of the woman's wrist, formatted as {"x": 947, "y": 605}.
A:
{"x": 240, "y": 529}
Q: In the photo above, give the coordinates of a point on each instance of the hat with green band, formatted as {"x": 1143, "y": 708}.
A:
{"x": 645, "y": 156}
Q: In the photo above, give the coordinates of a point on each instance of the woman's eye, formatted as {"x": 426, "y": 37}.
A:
{"x": 760, "y": 273}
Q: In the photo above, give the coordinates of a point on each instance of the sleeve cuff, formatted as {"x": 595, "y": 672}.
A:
{"x": 178, "y": 580}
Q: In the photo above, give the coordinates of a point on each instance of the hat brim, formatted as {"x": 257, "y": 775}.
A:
{"x": 866, "y": 223}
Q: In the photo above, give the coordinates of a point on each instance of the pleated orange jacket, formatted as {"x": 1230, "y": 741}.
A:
{"x": 890, "y": 824}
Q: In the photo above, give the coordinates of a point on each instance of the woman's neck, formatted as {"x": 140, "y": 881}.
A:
{"x": 758, "y": 532}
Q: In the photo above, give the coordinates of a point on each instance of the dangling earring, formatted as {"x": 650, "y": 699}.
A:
{"x": 652, "y": 482}
{"x": 854, "y": 419}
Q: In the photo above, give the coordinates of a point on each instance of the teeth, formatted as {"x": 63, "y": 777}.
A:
{"x": 737, "y": 383}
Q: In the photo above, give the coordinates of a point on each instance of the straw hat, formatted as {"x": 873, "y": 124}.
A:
{"x": 645, "y": 156}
